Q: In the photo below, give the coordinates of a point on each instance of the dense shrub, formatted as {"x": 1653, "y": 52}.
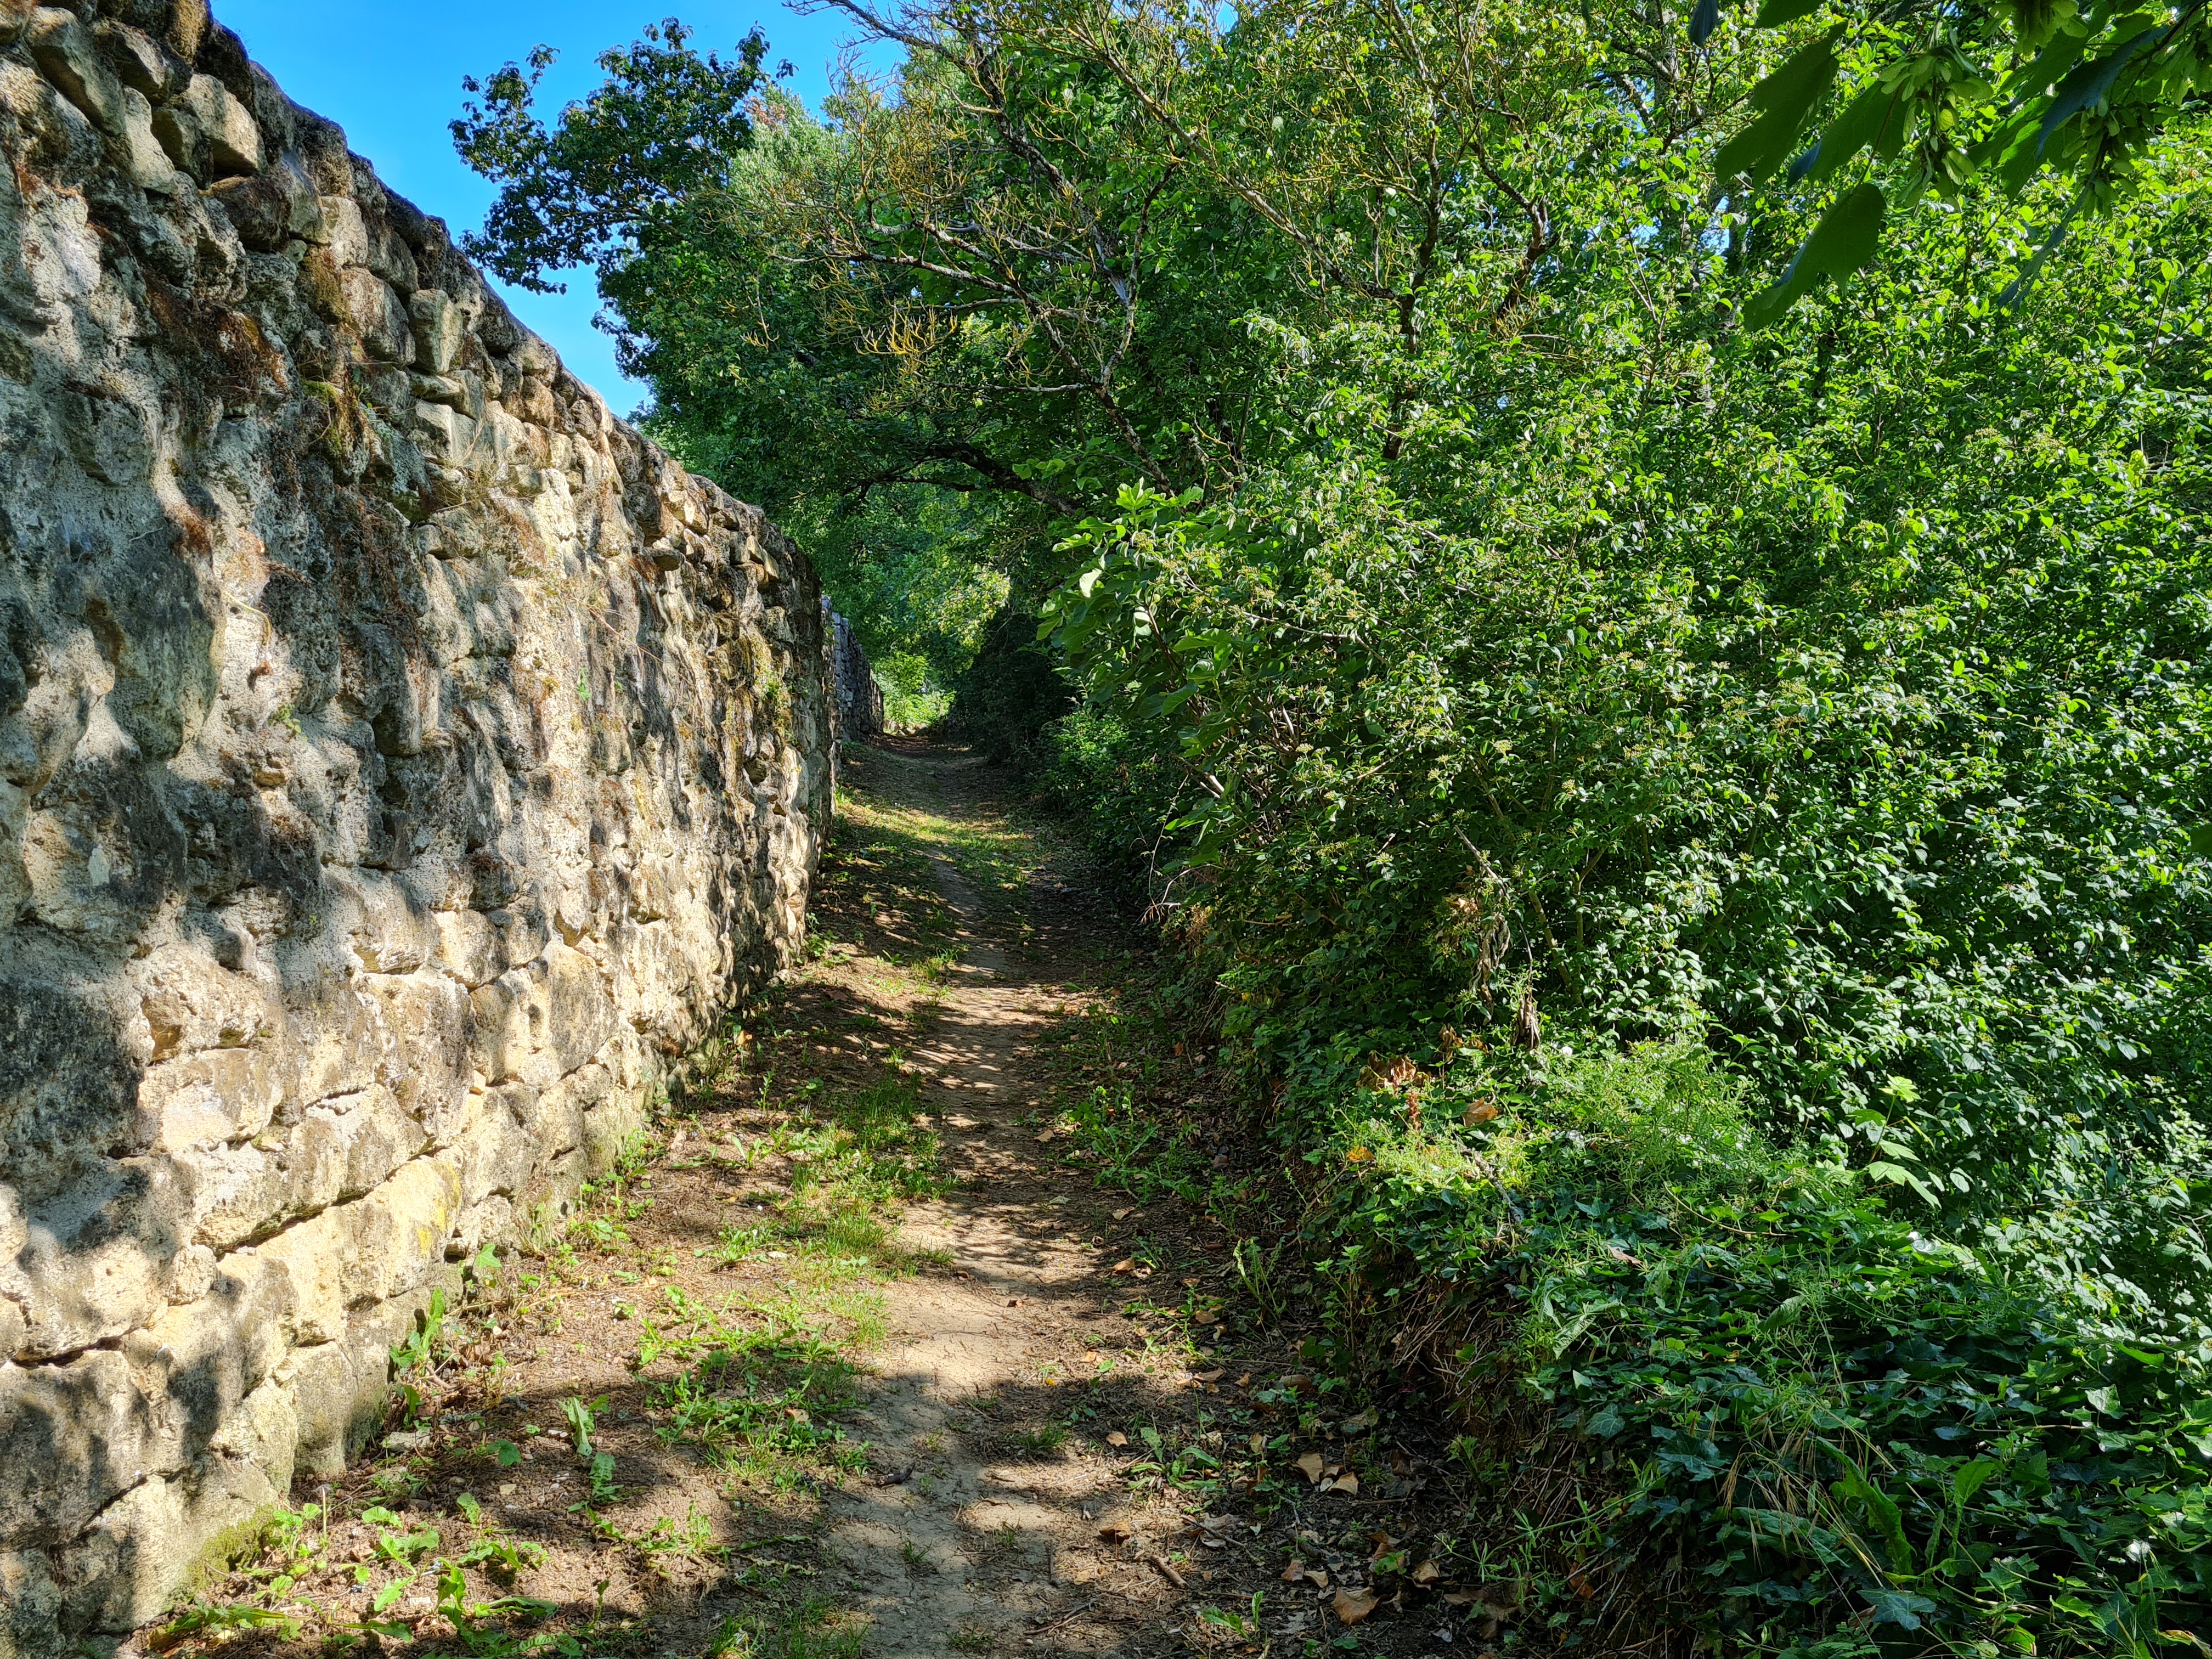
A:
{"x": 1851, "y": 1436}
{"x": 1839, "y": 719}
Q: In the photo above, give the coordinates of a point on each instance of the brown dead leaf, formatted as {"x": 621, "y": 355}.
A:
{"x": 1117, "y": 1438}
{"x": 1125, "y": 1212}
{"x": 1206, "y": 1317}
{"x": 1116, "y": 1532}
{"x": 1213, "y": 1376}
{"x": 1311, "y": 1464}
{"x": 1317, "y": 1576}
{"x": 1259, "y": 1444}
{"x": 1125, "y": 1264}
{"x": 1427, "y": 1573}
{"x": 1295, "y": 1572}
{"x": 1481, "y": 1112}
{"x": 1354, "y": 1605}
{"x": 1245, "y": 1381}
{"x": 1347, "y": 1483}
{"x": 1457, "y": 1599}
{"x": 1381, "y": 1540}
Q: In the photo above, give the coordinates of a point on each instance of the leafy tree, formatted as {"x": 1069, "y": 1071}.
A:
{"x": 594, "y": 187}
{"x": 1924, "y": 99}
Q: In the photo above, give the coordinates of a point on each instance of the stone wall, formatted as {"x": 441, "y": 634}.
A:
{"x": 859, "y": 699}
{"x": 402, "y": 764}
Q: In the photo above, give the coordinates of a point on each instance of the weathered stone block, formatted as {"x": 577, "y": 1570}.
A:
{"x": 374, "y": 310}
{"x": 95, "y": 1257}
{"x": 218, "y": 1095}
{"x": 440, "y": 328}
{"x": 30, "y": 1601}
{"x": 469, "y": 947}
{"x": 72, "y": 1437}
{"x": 332, "y": 1413}
{"x": 233, "y": 140}
{"x": 312, "y": 1254}
{"x": 398, "y": 1232}
{"x": 63, "y": 50}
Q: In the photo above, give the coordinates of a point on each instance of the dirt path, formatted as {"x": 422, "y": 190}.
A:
{"x": 972, "y": 1534}
{"x": 855, "y": 1354}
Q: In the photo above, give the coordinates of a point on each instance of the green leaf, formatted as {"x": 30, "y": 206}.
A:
{"x": 507, "y": 1452}
{"x": 1773, "y": 13}
{"x": 1899, "y": 1607}
{"x": 1786, "y": 97}
{"x": 1757, "y": 149}
{"x": 1970, "y": 1478}
{"x": 1882, "y": 1511}
{"x": 1800, "y": 79}
{"x": 1847, "y": 237}
{"x": 1860, "y": 124}
{"x": 2089, "y": 84}
{"x": 1898, "y": 1176}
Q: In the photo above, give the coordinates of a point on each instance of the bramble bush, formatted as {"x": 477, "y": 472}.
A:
{"x": 1829, "y": 704}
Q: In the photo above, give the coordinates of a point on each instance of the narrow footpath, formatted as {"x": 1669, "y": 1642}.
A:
{"x": 918, "y": 1324}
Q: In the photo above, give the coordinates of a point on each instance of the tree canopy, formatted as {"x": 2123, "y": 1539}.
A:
{"x": 1609, "y": 556}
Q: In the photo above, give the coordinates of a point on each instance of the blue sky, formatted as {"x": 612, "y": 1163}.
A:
{"x": 390, "y": 74}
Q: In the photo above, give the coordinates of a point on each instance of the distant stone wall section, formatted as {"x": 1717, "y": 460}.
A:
{"x": 859, "y": 699}
{"x": 403, "y": 765}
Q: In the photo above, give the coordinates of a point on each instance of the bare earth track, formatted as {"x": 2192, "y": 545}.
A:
{"x": 858, "y": 1354}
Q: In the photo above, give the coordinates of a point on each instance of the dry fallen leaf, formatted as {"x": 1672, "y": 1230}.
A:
{"x": 1206, "y": 1376}
{"x": 1295, "y": 1572}
{"x": 1259, "y": 1444}
{"x": 1207, "y": 1317}
{"x": 1311, "y": 1464}
{"x": 1317, "y": 1576}
{"x": 1125, "y": 1264}
{"x": 1481, "y": 1112}
{"x": 1348, "y": 1482}
{"x": 1114, "y": 1531}
{"x": 1354, "y": 1605}
{"x": 1427, "y": 1573}
{"x": 1125, "y": 1212}
{"x": 1381, "y": 1540}
{"x": 1457, "y": 1599}
{"x": 1245, "y": 1381}
{"x": 1117, "y": 1438}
